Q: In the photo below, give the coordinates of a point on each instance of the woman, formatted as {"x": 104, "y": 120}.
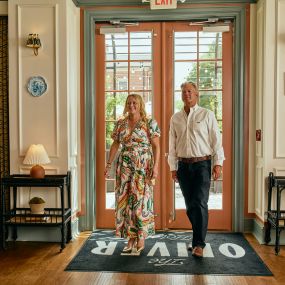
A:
{"x": 137, "y": 168}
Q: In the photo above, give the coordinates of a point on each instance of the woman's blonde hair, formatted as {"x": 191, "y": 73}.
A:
{"x": 139, "y": 100}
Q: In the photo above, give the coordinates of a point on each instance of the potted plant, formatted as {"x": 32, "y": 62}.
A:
{"x": 37, "y": 205}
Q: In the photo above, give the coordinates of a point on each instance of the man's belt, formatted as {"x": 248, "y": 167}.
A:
{"x": 194, "y": 159}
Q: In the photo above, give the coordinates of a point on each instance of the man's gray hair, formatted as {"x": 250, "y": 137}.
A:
{"x": 189, "y": 82}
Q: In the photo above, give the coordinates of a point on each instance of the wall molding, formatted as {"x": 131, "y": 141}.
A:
{"x": 259, "y": 194}
{"x": 259, "y": 76}
{"x": 20, "y": 79}
{"x": 279, "y": 171}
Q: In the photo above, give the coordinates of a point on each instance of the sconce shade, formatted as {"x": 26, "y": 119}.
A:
{"x": 34, "y": 42}
{"x": 35, "y": 156}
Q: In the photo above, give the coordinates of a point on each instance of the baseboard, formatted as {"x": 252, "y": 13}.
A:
{"x": 257, "y": 228}
{"x": 75, "y": 228}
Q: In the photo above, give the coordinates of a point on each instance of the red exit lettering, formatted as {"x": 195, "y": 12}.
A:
{"x": 163, "y": 2}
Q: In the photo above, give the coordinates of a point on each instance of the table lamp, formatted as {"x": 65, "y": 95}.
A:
{"x": 36, "y": 155}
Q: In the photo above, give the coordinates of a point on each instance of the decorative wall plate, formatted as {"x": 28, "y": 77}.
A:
{"x": 37, "y": 86}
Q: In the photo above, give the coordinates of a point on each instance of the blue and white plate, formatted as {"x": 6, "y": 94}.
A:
{"x": 37, "y": 86}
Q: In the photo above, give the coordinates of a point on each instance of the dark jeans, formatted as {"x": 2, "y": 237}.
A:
{"x": 194, "y": 180}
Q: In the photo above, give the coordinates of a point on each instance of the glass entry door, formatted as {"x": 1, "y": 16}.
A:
{"x": 153, "y": 59}
{"x": 204, "y": 58}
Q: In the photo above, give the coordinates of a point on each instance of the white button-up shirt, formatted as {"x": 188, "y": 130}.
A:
{"x": 195, "y": 135}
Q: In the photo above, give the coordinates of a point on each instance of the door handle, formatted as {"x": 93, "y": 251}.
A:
{"x": 172, "y": 216}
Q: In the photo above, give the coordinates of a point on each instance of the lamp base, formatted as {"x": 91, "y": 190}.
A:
{"x": 37, "y": 171}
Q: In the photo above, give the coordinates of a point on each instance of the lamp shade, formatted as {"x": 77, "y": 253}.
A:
{"x": 35, "y": 156}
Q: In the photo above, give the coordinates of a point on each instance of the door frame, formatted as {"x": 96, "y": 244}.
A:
{"x": 184, "y": 13}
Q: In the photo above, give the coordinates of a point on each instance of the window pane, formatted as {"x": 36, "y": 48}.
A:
{"x": 110, "y": 194}
{"x": 116, "y": 76}
{"x": 147, "y": 97}
{"x": 140, "y": 75}
{"x": 185, "y": 45}
{"x": 115, "y": 104}
{"x": 210, "y": 45}
{"x": 140, "y": 46}
{"x": 184, "y": 71}
{"x": 108, "y": 131}
{"x": 178, "y": 103}
{"x": 116, "y": 46}
{"x": 210, "y": 75}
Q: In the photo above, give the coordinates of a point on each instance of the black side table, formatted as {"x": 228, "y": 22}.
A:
{"x": 52, "y": 217}
{"x": 275, "y": 218}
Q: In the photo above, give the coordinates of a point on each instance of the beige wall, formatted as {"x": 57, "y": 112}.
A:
{"x": 51, "y": 119}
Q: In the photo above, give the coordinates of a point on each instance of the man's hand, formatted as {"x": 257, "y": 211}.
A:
{"x": 217, "y": 171}
{"x": 174, "y": 175}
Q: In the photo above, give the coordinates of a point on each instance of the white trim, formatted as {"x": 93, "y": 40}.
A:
{"x": 279, "y": 82}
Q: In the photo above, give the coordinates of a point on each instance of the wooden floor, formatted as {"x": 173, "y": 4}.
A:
{"x": 41, "y": 263}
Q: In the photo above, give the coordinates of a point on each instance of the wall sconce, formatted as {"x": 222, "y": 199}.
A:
{"x": 34, "y": 42}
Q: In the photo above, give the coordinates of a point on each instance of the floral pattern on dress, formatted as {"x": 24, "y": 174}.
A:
{"x": 134, "y": 197}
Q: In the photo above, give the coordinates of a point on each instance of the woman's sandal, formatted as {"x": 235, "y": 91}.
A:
{"x": 129, "y": 247}
{"x": 140, "y": 248}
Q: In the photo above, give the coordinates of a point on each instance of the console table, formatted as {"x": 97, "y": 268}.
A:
{"x": 52, "y": 217}
{"x": 275, "y": 218}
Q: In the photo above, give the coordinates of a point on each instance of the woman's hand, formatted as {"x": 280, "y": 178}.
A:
{"x": 156, "y": 153}
{"x": 113, "y": 150}
{"x": 107, "y": 169}
{"x": 154, "y": 172}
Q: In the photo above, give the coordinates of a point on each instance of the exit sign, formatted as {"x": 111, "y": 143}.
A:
{"x": 163, "y": 4}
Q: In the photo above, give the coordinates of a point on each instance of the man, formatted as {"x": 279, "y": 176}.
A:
{"x": 194, "y": 140}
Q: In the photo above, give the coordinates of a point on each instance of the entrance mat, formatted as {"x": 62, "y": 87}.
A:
{"x": 166, "y": 252}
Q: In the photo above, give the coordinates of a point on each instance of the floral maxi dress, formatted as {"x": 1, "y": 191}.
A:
{"x": 134, "y": 197}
